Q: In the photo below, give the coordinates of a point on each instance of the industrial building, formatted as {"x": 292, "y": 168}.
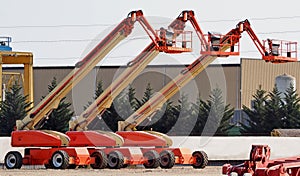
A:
{"x": 241, "y": 80}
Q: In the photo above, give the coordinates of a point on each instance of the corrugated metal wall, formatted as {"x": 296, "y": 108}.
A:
{"x": 257, "y": 72}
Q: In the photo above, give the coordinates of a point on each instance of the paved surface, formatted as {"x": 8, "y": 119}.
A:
{"x": 175, "y": 171}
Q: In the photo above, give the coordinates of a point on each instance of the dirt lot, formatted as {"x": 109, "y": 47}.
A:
{"x": 175, "y": 171}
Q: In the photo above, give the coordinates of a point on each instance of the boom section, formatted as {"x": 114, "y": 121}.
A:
{"x": 134, "y": 68}
{"x": 225, "y": 42}
{"x": 39, "y": 114}
{"x": 156, "y": 102}
{"x": 217, "y": 46}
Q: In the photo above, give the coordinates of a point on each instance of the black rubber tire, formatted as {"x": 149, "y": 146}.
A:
{"x": 115, "y": 160}
{"x": 153, "y": 159}
{"x": 167, "y": 159}
{"x": 13, "y": 160}
{"x": 60, "y": 160}
{"x": 72, "y": 166}
{"x": 48, "y": 166}
{"x": 201, "y": 159}
{"x": 100, "y": 160}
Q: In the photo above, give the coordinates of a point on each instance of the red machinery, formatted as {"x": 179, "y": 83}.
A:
{"x": 216, "y": 47}
{"x": 104, "y": 141}
{"x": 260, "y": 164}
{"x": 57, "y": 150}
{"x": 138, "y": 138}
{"x": 51, "y": 148}
{"x": 275, "y": 51}
{"x": 159, "y": 44}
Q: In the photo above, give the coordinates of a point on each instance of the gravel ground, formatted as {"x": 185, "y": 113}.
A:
{"x": 175, "y": 171}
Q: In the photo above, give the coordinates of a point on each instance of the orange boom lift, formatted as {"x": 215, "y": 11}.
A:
{"x": 50, "y": 148}
{"x": 155, "y": 156}
{"x": 157, "y": 144}
{"x": 120, "y": 155}
{"x": 218, "y": 46}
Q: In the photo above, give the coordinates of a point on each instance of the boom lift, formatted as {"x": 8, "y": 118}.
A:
{"x": 142, "y": 138}
{"x": 135, "y": 67}
{"x": 259, "y": 163}
{"x": 104, "y": 101}
{"x": 219, "y": 46}
{"x": 273, "y": 52}
{"x": 52, "y": 148}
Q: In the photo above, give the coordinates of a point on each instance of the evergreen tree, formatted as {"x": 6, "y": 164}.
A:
{"x": 199, "y": 109}
{"x": 14, "y": 107}
{"x": 148, "y": 93}
{"x": 98, "y": 91}
{"x": 59, "y": 118}
{"x": 164, "y": 119}
{"x": 123, "y": 106}
{"x": 256, "y": 115}
{"x": 184, "y": 116}
{"x": 98, "y": 123}
{"x": 216, "y": 114}
{"x": 225, "y": 125}
{"x": 274, "y": 111}
{"x": 291, "y": 109}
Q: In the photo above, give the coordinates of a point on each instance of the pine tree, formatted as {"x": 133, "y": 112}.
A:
{"x": 216, "y": 114}
{"x": 199, "y": 109}
{"x": 291, "y": 109}
{"x": 274, "y": 111}
{"x": 98, "y": 91}
{"x": 148, "y": 93}
{"x": 59, "y": 118}
{"x": 256, "y": 115}
{"x": 184, "y": 116}
{"x": 123, "y": 106}
{"x": 98, "y": 123}
{"x": 225, "y": 125}
{"x": 14, "y": 107}
{"x": 164, "y": 119}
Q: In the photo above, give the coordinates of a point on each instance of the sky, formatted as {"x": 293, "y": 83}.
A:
{"x": 61, "y": 32}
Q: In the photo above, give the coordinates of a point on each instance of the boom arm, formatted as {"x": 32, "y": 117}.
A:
{"x": 179, "y": 24}
{"x": 280, "y": 52}
{"x": 37, "y": 116}
{"x": 157, "y": 101}
{"x": 104, "y": 101}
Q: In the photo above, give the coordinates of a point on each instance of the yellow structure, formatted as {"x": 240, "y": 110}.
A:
{"x": 25, "y": 58}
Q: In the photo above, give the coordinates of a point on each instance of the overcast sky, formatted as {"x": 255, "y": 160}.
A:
{"x": 60, "y": 32}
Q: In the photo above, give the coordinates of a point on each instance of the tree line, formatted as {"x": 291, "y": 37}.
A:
{"x": 211, "y": 117}
{"x": 272, "y": 110}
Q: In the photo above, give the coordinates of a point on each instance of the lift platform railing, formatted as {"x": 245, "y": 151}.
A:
{"x": 280, "y": 50}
